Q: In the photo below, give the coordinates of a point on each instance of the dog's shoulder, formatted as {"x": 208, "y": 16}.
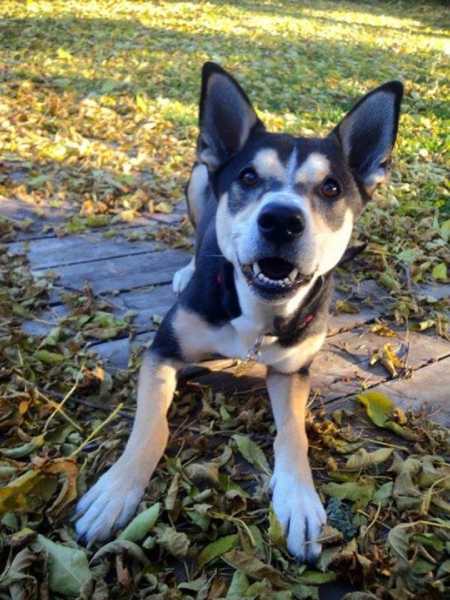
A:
{"x": 211, "y": 293}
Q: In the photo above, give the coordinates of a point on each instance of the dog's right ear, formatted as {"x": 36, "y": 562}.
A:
{"x": 367, "y": 135}
{"x": 226, "y": 117}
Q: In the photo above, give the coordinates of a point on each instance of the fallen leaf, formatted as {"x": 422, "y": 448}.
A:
{"x": 68, "y": 568}
{"x": 252, "y": 452}
{"x": 141, "y": 524}
{"x": 216, "y": 549}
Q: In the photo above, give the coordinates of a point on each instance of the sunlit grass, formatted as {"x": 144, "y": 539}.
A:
{"x": 97, "y": 91}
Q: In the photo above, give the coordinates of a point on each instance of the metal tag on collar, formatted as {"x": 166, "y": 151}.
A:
{"x": 255, "y": 350}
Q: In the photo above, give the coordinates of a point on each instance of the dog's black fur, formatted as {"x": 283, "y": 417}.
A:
{"x": 273, "y": 215}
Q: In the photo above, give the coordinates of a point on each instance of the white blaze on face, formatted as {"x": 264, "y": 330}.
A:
{"x": 313, "y": 170}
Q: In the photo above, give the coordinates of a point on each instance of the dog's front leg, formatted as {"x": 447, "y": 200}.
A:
{"x": 114, "y": 498}
{"x": 295, "y": 500}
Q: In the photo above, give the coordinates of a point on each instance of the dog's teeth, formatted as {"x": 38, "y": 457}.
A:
{"x": 256, "y": 269}
{"x": 293, "y": 275}
{"x": 273, "y": 282}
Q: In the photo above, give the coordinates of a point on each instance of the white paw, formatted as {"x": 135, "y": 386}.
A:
{"x": 300, "y": 513}
{"x": 182, "y": 277}
{"x": 109, "y": 504}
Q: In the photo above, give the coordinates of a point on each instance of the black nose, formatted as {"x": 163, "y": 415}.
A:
{"x": 279, "y": 223}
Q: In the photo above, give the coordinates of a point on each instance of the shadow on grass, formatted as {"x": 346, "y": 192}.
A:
{"x": 171, "y": 61}
{"x": 419, "y": 11}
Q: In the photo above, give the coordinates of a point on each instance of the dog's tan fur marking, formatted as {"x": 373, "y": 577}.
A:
{"x": 115, "y": 496}
{"x": 313, "y": 170}
{"x": 268, "y": 165}
{"x": 296, "y": 357}
{"x": 192, "y": 332}
{"x": 224, "y": 228}
{"x": 196, "y": 192}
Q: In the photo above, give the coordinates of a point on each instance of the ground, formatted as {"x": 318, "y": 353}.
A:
{"x": 98, "y": 129}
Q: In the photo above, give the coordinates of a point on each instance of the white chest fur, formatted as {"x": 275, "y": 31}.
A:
{"x": 238, "y": 338}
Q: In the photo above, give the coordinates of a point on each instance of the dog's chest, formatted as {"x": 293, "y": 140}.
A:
{"x": 244, "y": 338}
{"x": 252, "y": 336}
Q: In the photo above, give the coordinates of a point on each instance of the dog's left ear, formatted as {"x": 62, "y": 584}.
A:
{"x": 367, "y": 134}
{"x": 226, "y": 117}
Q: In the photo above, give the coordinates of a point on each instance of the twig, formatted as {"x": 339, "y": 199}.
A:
{"x": 58, "y": 408}
{"x": 381, "y": 443}
{"x": 374, "y": 520}
{"x": 97, "y": 430}
{"x": 368, "y": 517}
{"x": 64, "y": 400}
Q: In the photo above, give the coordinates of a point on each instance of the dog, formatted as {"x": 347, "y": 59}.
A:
{"x": 273, "y": 215}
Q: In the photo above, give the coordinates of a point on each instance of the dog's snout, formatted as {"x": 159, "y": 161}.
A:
{"x": 280, "y": 223}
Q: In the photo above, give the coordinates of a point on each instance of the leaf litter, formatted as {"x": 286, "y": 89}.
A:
{"x": 205, "y": 528}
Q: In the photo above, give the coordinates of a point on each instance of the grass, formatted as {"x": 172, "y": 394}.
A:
{"x": 99, "y": 100}
{"x": 98, "y": 113}
{"x": 114, "y": 85}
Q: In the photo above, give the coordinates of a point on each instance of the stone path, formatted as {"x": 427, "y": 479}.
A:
{"x": 136, "y": 275}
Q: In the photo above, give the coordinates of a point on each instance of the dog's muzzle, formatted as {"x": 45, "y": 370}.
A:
{"x": 274, "y": 276}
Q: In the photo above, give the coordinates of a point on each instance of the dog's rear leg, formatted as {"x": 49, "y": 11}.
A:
{"x": 295, "y": 500}
{"x": 183, "y": 276}
{"x": 114, "y": 498}
{"x": 196, "y": 196}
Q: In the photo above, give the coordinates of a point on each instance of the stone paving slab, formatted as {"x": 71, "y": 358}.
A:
{"x": 137, "y": 276}
{"x": 48, "y": 253}
{"x": 45, "y": 217}
{"x": 147, "y": 303}
{"x": 117, "y": 352}
{"x": 427, "y": 390}
{"x": 417, "y": 348}
{"x": 121, "y": 273}
{"x": 435, "y": 291}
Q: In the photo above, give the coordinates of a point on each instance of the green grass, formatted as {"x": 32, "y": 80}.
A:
{"x": 114, "y": 85}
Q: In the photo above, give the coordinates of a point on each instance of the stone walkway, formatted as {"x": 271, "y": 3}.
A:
{"x": 136, "y": 276}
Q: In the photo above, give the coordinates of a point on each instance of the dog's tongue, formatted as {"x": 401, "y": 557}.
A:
{"x": 275, "y": 268}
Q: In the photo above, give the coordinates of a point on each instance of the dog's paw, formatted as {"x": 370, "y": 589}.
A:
{"x": 108, "y": 505}
{"x": 182, "y": 277}
{"x": 300, "y": 513}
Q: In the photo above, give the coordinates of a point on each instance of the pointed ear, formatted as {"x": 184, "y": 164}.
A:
{"x": 367, "y": 134}
{"x": 226, "y": 117}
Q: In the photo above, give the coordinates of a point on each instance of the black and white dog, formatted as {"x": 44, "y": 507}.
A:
{"x": 273, "y": 216}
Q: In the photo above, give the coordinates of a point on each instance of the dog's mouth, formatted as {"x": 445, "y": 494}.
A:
{"x": 274, "y": 275}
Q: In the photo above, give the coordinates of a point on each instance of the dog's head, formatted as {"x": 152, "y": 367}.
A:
{"x": 287, "y": 205}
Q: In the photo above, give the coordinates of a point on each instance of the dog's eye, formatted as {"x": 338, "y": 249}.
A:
{"x": 248, "y": 177}
{"x": 330, "y": 188}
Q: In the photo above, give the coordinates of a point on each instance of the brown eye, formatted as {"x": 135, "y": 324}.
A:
{"x": 330, "y": 188}
{"x": 249, "y": 177}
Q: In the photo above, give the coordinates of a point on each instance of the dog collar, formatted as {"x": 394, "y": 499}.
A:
{"x": 297, "y": 324}
{"x": 289, "y": 330}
